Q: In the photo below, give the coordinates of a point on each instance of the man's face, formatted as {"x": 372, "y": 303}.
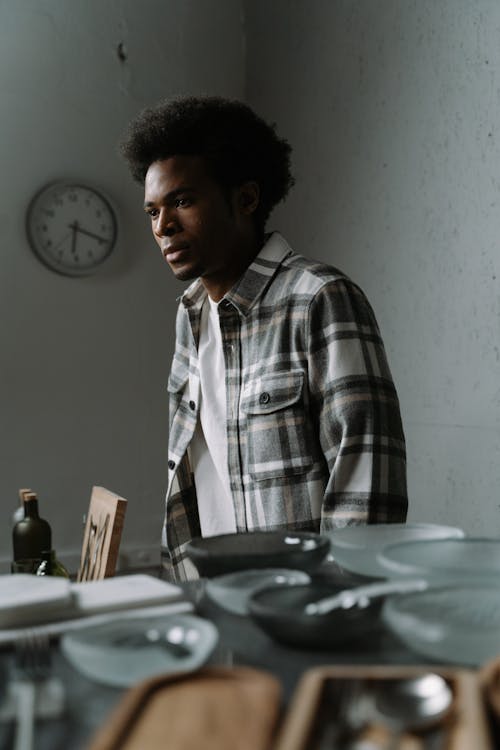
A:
{"x": 200, "y": 229}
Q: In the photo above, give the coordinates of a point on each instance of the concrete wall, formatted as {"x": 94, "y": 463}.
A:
{"x": 84, "y": 362}
{"x": 393, "y": 107}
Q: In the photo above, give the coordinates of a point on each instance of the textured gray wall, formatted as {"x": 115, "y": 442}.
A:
{"x": 84, "y": 362}
{"x": 393, "y": 107}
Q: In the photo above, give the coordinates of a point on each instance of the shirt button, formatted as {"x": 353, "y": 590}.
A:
{"x": 192, "y": 405}
{"x": 171, "y": 464}
{"x": 264, "y": 398}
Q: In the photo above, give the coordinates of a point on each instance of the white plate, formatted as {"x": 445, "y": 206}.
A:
{"x": 232, "y": 590}
{"x": 27, "y": 599}
{"x": 459, "y": 624}
{"x": 444, "y": 561}
{"x": 355, "y": 548}
{"x": 123, "y": 652}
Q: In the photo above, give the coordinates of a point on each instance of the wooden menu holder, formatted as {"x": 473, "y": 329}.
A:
{"x": 102, "y": 535}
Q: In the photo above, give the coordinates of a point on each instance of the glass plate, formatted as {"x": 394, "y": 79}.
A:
{"x": 459, "y": 624}
{"x": 445, "y": 560}
{"x": 233, "y": 590}
{"x": 123, "y": 652}
{"x": 355, "y": 548}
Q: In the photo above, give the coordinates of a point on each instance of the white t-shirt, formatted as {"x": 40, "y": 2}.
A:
{"x": 208, "y": 448}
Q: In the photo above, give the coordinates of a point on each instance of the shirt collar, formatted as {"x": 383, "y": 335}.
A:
{"x": 250, "y": 287}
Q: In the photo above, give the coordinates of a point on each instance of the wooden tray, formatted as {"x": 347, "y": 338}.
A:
{"x": 490, "y": 684}
{"x": 215, "y": 708}
{"x": 466, "y": 726}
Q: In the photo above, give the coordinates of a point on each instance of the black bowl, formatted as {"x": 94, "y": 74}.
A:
{"x": 280, "y": 612}
{"x": 215, "y": 555}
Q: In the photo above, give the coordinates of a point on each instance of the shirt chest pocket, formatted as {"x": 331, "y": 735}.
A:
{"x": 278, "y": 439}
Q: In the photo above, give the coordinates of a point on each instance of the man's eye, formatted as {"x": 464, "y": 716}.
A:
{"x": 152, "y": 212}
{"x": 182, "y": 202}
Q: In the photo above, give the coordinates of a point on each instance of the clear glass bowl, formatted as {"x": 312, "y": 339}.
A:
{"x": 446, "y": 560}
{"x": 458, "y": 624}
{"x": 124, "y": 651}
{"x": 355, "y": 548}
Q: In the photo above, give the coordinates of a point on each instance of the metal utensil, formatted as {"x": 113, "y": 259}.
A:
{"x": 176, "y": 640}
{"x": 98, "y": 548}
{"x": 83, "y": 573}
{"x": 33, "y": 664}
{"x": 413, "y": 704}
{"x": 361, "y": 596}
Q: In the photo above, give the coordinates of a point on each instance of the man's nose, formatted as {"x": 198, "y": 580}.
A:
{"x": 167, "y": 224}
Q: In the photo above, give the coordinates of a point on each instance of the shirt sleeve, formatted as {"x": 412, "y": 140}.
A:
{"x": 355, "y": 403}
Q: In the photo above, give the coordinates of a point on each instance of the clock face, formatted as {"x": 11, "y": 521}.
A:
{"x": 71, "y": 228}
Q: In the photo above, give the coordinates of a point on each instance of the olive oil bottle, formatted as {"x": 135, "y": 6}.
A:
{"x": 30, "y": 537}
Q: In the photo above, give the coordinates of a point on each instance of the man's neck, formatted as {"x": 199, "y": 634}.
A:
{"x": 218, "y": 285}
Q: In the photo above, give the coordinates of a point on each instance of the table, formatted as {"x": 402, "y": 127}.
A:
{"x": 241, "y": 641}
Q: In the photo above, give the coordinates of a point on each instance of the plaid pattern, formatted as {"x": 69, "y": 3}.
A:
{"x": 315, "y": 439}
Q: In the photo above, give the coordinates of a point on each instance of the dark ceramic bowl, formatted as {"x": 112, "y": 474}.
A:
{"x": 225, "y": 553}
{"x": 280, "y": 612}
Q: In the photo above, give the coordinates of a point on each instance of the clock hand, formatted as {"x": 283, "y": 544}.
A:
{"x": 77, "y": 228}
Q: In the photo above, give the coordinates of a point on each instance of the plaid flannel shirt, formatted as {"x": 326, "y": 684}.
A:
{"x": 314, "y": 433}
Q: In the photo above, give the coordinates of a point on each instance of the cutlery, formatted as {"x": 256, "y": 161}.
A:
{"x": 98, "y": 547}
{"x": 173, "y": 642}
{"x": 415, "y": 704}
{"x": 35, "y": 692}
{"x": 84, "y": 570}
{"x": 361, "y": 596}
{"x": 384, "y": 713}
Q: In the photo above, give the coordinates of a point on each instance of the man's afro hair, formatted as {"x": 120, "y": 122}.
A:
{"x": 237, "y": 145}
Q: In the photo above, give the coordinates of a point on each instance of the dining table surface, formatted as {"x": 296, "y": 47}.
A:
{"x": 241, "y": 643}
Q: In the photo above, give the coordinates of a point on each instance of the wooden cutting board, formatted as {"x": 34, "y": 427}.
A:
{"x": 215, "y": 708}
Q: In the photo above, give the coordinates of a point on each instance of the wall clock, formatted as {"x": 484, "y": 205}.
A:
{"x": 71, "y": 228}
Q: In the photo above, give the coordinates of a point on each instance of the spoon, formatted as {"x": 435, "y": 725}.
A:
{"x": 176, "y": 640}
{"x": 361, "y": 596}
{"x": 413, "y": 704}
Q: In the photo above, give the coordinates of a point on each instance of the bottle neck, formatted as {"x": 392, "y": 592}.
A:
{"x": 31, "y": 508}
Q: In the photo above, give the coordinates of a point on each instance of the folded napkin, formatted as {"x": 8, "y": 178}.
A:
{"x": 54, "y": 605}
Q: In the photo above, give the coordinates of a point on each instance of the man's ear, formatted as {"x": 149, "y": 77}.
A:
{"x": 248, "y": 197}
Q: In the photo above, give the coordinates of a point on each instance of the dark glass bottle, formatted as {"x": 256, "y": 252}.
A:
{"x": 30, "y": 537}
{"x": 18, "y": 514}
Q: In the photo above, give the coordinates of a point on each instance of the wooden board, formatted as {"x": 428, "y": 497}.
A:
{"x": 215, "y": 708}
{"x": 102, "y": 535}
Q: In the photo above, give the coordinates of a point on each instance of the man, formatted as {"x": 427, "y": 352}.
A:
{"x": 283, "y": 413}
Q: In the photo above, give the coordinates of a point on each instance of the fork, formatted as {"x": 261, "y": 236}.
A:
{"x": 346, "y": 702}
{"x": 33, "y": 665}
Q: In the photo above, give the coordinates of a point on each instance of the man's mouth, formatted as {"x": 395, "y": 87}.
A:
{"x": 174, "y": 253}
